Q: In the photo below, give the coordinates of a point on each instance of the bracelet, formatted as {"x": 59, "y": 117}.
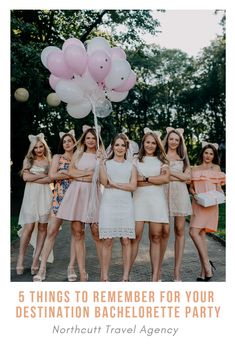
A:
{"x": 146, "y": 179}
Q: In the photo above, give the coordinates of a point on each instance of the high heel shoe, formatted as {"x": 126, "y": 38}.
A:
{"x": 40, "y": 277}
{"x": 72, "y": 277}
{"x": 84, "y": 277}
{"x": 19, "y": 270}
{"x": 34, "y": 270}
{"x": 208, "y": 278}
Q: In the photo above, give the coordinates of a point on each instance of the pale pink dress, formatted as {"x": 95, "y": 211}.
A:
{"x": 203, "y": 181}
{"x": 75, "y": 204}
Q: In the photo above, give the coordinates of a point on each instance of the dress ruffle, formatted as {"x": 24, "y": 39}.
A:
{"x": 211, "y": 175}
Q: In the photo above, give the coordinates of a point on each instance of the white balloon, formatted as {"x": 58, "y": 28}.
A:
{"x": 118, "y": 74}
{"x": 46, "y": 51}
{"x": 116, "y": 96}
{"x": 86, "y": 83}
{"x": 69, "y": 91}
{"x": 79, "y": 110}
{"x": 98, "y": 43}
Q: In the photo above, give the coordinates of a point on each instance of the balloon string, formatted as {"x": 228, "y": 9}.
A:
{"x": 95, "y": 121}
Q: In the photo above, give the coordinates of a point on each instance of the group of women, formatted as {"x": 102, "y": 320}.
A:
{"x": 116, "y": 193}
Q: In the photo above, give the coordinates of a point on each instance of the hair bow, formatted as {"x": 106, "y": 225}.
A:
{"x": 33, "y": 138}
{"x": 204, "y": 143}
{"x": 71, "y": 132}
{"x": 158, "y": 133}
{"x": 179, "y": 130}
{"x": 86, "y": 127}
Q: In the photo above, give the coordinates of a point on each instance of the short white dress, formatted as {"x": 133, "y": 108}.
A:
{"x": 37, "y": 200}
{"x": 150, "y": 202}
{"x": 177, "y": 193}
{"x": 116, "y": 218}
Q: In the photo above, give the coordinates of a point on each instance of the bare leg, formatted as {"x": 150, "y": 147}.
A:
{"x": 164, "y": 241}
{"x": 52, "y": 231}
{"x": 42, "y": 232}
{"x": 155, "y": 235}
{"x": 71, "y": 274}
{"x": 139, "y": 227}
{"x": 198, "y": 237}
{"x": 106, "y": 258}
{"x": 126, "y": 254}
{"x": 24, "y": 242}
{"x": 80, "y": 250}
{"x": 179, "y": 246}
{"x": 98, "y": 241}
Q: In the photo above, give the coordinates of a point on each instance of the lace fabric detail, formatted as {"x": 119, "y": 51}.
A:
{"x": 121, "y": 232}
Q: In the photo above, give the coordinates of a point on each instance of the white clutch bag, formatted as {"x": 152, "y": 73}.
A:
{"x": 210, "y": 198}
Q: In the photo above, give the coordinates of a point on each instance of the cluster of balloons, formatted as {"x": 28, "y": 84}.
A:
{"x": 88, "y": 78}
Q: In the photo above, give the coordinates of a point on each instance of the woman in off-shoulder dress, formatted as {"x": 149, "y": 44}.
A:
{"x": 206, "y": 176}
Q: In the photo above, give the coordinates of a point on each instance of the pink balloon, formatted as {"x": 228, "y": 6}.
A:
{"x": 130, "y": 82}
{"x": 72, "y": 41}
{"x": 76, "y": 58}
{"x": 57, "y": 65}
{"x": 53, "y": 80}
{"x": 99, "y": 64}
{"x": 118, "y": 52}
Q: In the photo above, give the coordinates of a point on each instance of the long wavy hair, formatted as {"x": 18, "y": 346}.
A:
{"x": 159, "y": 152}
{"x": 181, "y": 149}
{"x": 81, "y": 147}
{"x": 124, "y": 139}
{"x": 216, "y": 156}
{"x": 30, "y": 156}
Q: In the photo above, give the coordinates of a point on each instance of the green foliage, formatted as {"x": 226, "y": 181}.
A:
{"x": 173, "y": 89}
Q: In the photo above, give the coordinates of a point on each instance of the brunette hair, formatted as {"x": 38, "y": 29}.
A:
{"x": 61, "y": 148}
{"x": 159, "y": 152}
{"x": 181, "y": 149}
{"x": 125, "y": 140}
{"x": 215, "y": 151}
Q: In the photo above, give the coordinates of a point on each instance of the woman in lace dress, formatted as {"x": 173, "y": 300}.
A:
{"x": 150, "y": 203}
{"x": 206, "y": 176}
{"x": 177, "y": 192}
{"x": 116, "y": 219}
{"x": 59, "y": 173}
{"x": 37, "y": 199}
{"x": 76, "y": 204}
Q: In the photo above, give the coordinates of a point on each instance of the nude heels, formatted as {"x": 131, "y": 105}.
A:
{"x": 40, "y": 277}
{"x": 72, "y": 277}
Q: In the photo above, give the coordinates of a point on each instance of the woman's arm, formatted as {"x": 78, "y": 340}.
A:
{"x": 27, "y": 176}
{"x": 103, "y": 174}
{"x": 54, "y": 174}
{"x": 180, "y": 176}
{"x": 75, "y": 173}
{"x": 131, "y": 186}
{"x": 163, "y": 178}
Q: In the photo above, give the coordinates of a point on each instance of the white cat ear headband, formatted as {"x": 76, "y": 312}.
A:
{"x": 158, "y": 133}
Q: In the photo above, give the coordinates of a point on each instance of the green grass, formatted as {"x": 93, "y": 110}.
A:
{"x": 221, "y": 232}
{"x": 14, "y": 227}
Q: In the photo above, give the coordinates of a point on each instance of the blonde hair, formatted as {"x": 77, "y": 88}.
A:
{"x": 30, "y": 156}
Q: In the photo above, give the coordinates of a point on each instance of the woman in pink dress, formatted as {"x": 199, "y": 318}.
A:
{"x": 59, "y": 173}
{"x": 82, "y": 197}
{"x": 205, "y": 177}
{"x": 177, "y": 191}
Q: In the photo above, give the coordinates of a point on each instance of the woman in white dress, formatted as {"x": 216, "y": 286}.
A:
{"x": 116, "y": 218}
{"x": 37, "y": 199}
{"x": 177, "y": 192}
{"x": 150, "y": 204}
